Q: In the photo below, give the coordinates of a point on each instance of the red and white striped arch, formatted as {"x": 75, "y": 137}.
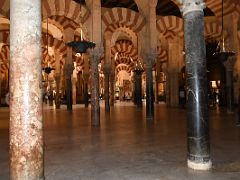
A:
{"x": 213, "y": 31}
{"x": 4, "y": 58}
{"x": 162, "y": 55}
{"x": 170, "y": 26}
{"x": 125, "y": 46}
{"x": 4, "y": 37}
{"x": 115, "y": 18}
{"x": 123, "y": 67}
{"x": 67, "y": 8}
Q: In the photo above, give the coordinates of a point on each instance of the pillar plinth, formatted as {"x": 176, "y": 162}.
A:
{"x": 26, "y": 136}
{"x": 197, "y": 93}
{"x": 95, "y": 106}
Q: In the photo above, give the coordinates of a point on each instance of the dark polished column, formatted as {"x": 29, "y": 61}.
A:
{"x": 197, "y": 93}
{"x": 26, "y": 123}
{"x": 229, "y": 83}
{"x": 112, "y": 88}
{"x": 107, "y": 71}
{"x": 95, "y": 106}
{"x": 85, "y": 89}
{"x": 138, "y": 88}
{"x": 150, "y": 59}
{"x": 69, "y": 70}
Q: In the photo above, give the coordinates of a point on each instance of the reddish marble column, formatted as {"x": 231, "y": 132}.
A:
{"x": 26, "y": 136}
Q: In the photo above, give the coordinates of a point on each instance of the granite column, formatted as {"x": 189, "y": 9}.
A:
{"x": 26, "y": 135}
{"x": 95, "y": 106}
{"x": 138, "y": 88}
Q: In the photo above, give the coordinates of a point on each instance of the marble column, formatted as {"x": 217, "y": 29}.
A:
{"x": 173, "y": 67}
{"x": 197, "y": 93}
{"x": 229, "y": 64}
{"x": 85, "y": 89}
{"x": 26, "y": 134}
{"x": 150, "y": 60}
{"x": 95, "y": 106}
{"x": 68, "y": 71}
{"x": 138, "y": 88}
{"x": 112, "y": 88}
{"x": 107, "y": 71}
{"x": 69, "y": 67}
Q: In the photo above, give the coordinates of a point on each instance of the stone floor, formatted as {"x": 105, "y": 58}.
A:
{"x": 126, "y": 147}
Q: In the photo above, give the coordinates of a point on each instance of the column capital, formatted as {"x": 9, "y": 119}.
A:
{"x": 191, "y": 5}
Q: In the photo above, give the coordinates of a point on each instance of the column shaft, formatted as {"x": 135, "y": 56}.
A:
{"x": 149, "y": 93}
{"x": 26, "y": 136}
{"x": 112, "y": 89}
{"x": 106, "y": 90}
{"x": 197, "y": 94}
{"x": 138, "y": 89}
{"x": 95, "y": 106}
{"x": 229, "y": 83}
{"x": 68, "y": 70}
{"x": 85, "y": 89}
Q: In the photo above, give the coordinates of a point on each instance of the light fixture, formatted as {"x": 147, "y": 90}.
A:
{"x": 221, "y": 53}
{"x": 138, "y": 68}
{"x": 83, "y": 45}
{"x": 48, "y": 68}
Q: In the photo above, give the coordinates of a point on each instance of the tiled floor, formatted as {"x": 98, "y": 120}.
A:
{"x": 126, "y": 147}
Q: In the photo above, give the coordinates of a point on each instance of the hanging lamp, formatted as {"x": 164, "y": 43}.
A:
{"x": 83, "y": 45}
{"x": 221, "y": 53}
{"x": 48, "y": 69}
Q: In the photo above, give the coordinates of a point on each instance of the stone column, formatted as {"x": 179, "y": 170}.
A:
{"x": 26, "y": 135}
{"x": 173, "y": 83}
{"x": 107, "y": 71}
{"x": 150, "y": 60}
{"x": 74, "y": 89}
{"x": 197, "y": 93}
{"x": 229, "y": 64}
{"x": 85, "y": 88}
{"x": 95, "y": 106}
{"x": 112, "y": 88}
{"x": 68, "y": 71}
{"x": 57, "y": 97}
{"x": 138, "y": 88}
{"x": 68, "y": 37}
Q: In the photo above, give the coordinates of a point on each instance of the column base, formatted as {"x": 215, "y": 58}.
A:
{"x": 199, "y": 166}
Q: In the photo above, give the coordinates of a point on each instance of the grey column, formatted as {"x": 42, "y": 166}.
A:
{"x": 150, "y": 59}
{"x": 107, "y": 71}
{"x": 26, "y": 135}
{"x": 95, "y": 106}
{"x": 229, "y": 83}
{"x": 197, "y": 94}
{"x": 69, "y": 70}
